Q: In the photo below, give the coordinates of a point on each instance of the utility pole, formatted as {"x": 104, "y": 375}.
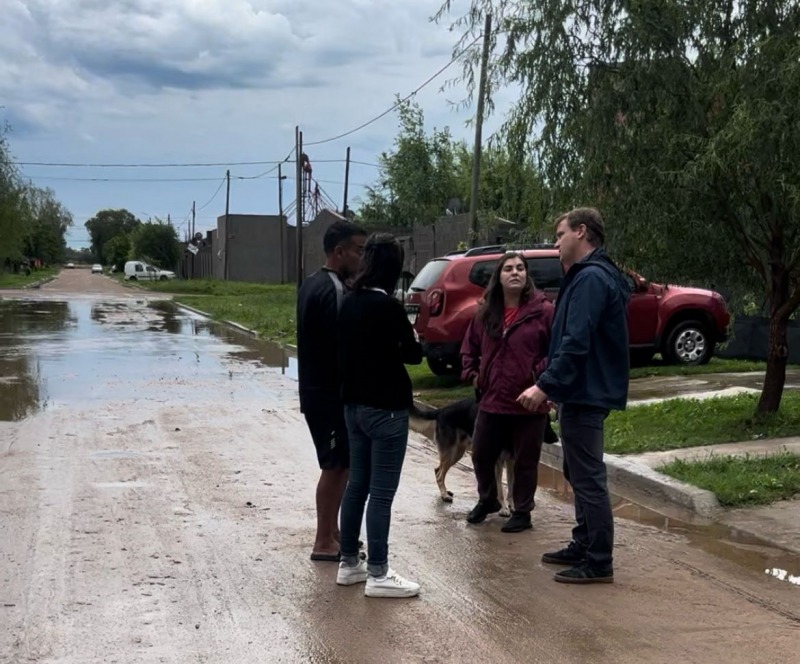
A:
{"x": 191, "y": 238}
{"x": 281, "y": 178}
{"x": 298, "y": 143}
{"x": 346, "y": 180}
{"x": 227, "y": 229}
{"x": 476, "y": 155}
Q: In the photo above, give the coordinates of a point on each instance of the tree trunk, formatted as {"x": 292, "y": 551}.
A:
{"x": 777, "y": 358}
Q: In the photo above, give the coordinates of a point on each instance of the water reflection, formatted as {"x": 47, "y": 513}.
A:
{"x": 55, "y": 353}
{"x": 23, "y": 388}
{"x": 783, "y": 575}
{"x": 711, "y": 536}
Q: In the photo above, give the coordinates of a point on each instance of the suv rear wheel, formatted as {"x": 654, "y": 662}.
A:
{"x": 442, "y": 367}
{"x": 689, "y": 342}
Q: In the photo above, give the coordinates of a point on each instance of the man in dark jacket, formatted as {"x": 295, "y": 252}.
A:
{"x": 587, "y": 376}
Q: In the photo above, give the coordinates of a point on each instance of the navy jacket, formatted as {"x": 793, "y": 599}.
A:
{"x": 589, "y": 361}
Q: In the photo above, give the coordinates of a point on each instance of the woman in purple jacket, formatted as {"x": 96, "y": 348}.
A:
{"x": 503, "y": 353}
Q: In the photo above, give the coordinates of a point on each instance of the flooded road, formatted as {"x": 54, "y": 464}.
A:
{"x": 156, "y": 505}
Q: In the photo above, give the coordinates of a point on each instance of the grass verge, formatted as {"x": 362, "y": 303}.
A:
{"x": 8, "y": 280}
{"x": 716, "y": 365}
{"x": 267, "y": 309}
{"x": 742, "y": 481}
{"x": 679, "y": 423}
{"x": 440, "y": 390}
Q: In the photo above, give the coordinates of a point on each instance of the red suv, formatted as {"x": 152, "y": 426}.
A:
{"x": 683, "y": 324}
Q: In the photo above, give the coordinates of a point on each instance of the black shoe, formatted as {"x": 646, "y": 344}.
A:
{"x": 569, "y": 555}
{"x": 518, "y": 522}
{"x": 585, "y": 573}
{"x": 482, "y": 510}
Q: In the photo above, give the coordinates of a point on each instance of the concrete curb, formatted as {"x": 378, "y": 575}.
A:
{"x": 40, "y": 283}
{"x": 204, "y": 314}
{"x": 628, "y": 478}
{"x": 229, "y": 323}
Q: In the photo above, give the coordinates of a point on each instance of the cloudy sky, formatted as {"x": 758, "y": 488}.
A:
{"x": 211, "y": 81}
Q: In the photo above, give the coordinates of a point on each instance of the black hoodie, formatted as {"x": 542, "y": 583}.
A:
{"x": 589, "y": 362}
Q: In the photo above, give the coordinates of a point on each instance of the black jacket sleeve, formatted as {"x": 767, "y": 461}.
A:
{"x": 410, "y": 348}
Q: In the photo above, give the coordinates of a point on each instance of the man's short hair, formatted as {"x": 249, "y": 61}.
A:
{"x": 339, "y": 233}
{"x": 589, "y": 217}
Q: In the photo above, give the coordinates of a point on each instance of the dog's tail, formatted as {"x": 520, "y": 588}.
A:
{"x": 424, "y": 413}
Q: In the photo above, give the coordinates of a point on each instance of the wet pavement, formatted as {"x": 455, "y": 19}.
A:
{"x": 156, "y": 492}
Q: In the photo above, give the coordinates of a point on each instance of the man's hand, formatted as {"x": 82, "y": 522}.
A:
{"x": 532, "y": 398}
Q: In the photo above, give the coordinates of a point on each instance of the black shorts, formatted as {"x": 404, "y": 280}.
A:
{"x": 329, "y": 433}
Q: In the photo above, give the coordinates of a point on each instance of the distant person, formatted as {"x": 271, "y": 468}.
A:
{"x": 318, "y": 303}
{"x": 375, "y": 341}
{"x": 587, "y": 376}
{"x": 503, "y": 352}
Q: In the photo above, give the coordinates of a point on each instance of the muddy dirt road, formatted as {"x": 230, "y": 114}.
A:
{"x": 156, "y": 505}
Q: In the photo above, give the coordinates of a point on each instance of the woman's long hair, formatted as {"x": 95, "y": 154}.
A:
{"x": 491, "y": 311}
{"x": 382, "y": 263}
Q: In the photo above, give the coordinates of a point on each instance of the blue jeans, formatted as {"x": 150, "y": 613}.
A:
{"x": 378, "y": 440}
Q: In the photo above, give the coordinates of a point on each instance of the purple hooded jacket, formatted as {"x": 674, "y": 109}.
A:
{"x": 505, "y": 367}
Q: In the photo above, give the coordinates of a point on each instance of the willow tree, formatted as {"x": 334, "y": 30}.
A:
{"x": 680, "y": 120}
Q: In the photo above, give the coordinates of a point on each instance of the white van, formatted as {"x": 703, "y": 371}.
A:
{"x": 141, "y": 271}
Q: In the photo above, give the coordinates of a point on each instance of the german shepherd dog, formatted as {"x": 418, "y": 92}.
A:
{"x": 453, "y": 438}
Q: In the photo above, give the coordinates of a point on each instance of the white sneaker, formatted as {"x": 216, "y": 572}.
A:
{"x": 391, "y": 585}
{"x": 349, "y": 575}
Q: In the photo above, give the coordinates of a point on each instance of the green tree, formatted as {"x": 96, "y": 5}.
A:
{"x": 424, "y": 172}
{"x": 13, "y": 221}
{"x": 157, "y": 242}
{"x": 117, "y": 250}
{"x": 680, "y": 120}
{"x": 417, "y": 177}
{"x": 48, "y": 223}
{"x": 107, "y": 224}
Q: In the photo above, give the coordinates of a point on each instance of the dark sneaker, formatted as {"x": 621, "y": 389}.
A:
{"x": 518, "y": 522}
{"x": 585, "y": 573}
{"x": 482, "y": 510}
{"x": 569, "y": 555}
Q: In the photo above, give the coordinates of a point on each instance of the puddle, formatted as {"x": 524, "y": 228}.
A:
{"x": 710, "y": 536}
{"x": 57, "y": 354}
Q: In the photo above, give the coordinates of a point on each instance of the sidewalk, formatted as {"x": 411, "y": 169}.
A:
{"x": 635, "y": 478}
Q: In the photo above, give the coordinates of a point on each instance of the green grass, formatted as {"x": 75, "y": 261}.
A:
{"x": 679, "y": 423}
{"x": 268, "y": 309}
{"x": 271, "y": 314}
{"x": 217, "y": 288}
{"x": 739, "y": 481}
{"x": 8, "y": 280}
{"x": 440, "y": 390}
{"x": 715, "y": 365}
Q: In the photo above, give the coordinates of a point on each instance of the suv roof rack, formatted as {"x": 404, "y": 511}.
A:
{"x": 502, "y": 248}
{"x": 488, "y": 249}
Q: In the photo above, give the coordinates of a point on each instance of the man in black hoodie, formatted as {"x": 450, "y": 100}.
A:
{"x": 587, "y": 376}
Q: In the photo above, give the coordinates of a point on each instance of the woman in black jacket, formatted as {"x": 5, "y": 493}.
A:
{"x": 375, "y": 341}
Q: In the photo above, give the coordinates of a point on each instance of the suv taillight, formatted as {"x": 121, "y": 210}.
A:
{"x": 436, "y": 302}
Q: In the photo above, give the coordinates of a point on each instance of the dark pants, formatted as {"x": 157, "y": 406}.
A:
{"x": 378, "y": 440}
{"x": 521, "y": 435}
{"x": 582, "y": 441}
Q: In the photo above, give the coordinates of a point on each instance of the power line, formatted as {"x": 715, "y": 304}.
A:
{"x": 274, "y": 163}
{"x": 202, "y": 207}
{"x": 399, "y": 101}
{"x": 68, "y": 179}
{"x": 152, "y": 180}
